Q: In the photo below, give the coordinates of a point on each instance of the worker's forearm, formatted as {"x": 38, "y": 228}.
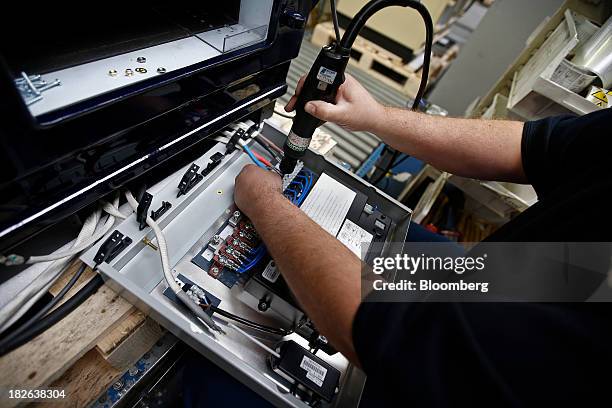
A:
{"x": 321, "y": 272}
{"x": 483, "y": 149}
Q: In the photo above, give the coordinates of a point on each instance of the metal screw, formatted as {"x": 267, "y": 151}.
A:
{"x": 148, "y": 242}
{"x": 216, "y": 239}
{"x": 53, "y": 84}
{"x": 112, "y": 72}
{"x": 141, "y": 60}
{"x": 215, "y": 270}
{"x": 161, "y": 70}
{"x": 27, "y": 80}
{"x": 236, "y": 214}
{"x": 31, "y": 101}
{"x": 129, "y": 72}
{"x": 118, "y": 385}
{"x": 141, "y": 70}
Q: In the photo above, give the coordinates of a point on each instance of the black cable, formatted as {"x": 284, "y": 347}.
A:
{"x": 267, "y": 149}
{"x": 55, "y": 316}
{"x": 246, "y": 322}
{"x": 350, "y": 35}
{"x": 46, "y": 308}
{"x": 334, "y": 13}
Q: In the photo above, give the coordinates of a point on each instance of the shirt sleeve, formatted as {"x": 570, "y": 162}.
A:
{"x": 479, "y": 354}
{"x": 555, "y": 148}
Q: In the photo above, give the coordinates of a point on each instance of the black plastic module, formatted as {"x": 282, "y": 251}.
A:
{"x": 143, "y": 209}
{"x": 112, "y": 247}
{"x": 231, "y": 144}
{"x": 215, "y": 160}
{"x": 307, "y": 370}
{"x": 165, "y": 206}
{"x": 190, "y": 179}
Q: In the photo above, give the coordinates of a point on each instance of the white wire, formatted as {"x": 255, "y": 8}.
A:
{"x": 161, "y": 245}
{"x": 90, "y": 237}
{"x": 52, "y": 266}
{"x": 113, "y": 210}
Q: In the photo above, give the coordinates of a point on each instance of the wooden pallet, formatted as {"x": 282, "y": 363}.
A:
{"x": 378, "y": 62}
{"x": 384, "y": 65}
{"x": 85, "y": 352}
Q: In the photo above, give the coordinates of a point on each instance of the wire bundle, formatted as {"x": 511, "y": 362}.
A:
{"x": 46, "y": 269}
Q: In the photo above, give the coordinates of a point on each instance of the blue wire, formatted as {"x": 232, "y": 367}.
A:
{"x": 252, "y": 156}
{"x": 260, "y": 252}
{"x": 296, "y": 198}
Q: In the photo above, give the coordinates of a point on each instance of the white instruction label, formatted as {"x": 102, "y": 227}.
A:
{"x": 326, "y": 75}
{"x": 328, "y": 203}
{"x": 571, "y": 76}
{"x": 271, "y": 272}
{"x": 315, "y": 372}
{"x": 352, "y": 235}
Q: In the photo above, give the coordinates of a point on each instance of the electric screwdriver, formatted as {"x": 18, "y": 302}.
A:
{"x": 322, "y": 83}
{"x": 327, "y": 74}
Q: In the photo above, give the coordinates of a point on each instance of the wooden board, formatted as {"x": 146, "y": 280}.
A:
{"x": 44, "y": 359}
{"x": 84, "y": 381}
{"x": 401, "y": 24}
{"x": 378, "y": 62}
{"x": 133, "y": 337}
{"x": 382, "y": 64}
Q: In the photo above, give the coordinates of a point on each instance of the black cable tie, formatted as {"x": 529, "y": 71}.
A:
{"x": 143, "y": 209}
{"x": 110, "y": 248}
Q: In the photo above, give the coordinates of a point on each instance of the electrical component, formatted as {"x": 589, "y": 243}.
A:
{"x": 170, "y": 281}
{"x": 231, "y": 144}
{"x": 215, "y": 160}
{"x": 194, "y": 292}
{"x": 156, "y": 214}
{"x": 189, "y": 179}
{"x": 233, "y": 221}
{"x": 308, "y": 372}
{"x": 112, "y": 247}
{"x": 143, "y": 210}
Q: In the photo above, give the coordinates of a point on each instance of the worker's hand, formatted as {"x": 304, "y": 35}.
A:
{"x": 355, "y": 108}
{"x": 256, "y": 187}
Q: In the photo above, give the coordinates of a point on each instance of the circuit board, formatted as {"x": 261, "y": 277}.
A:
{"x": 235, "y": 251}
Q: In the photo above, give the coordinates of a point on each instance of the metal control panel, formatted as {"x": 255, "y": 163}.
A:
{"x": 191, "y": 222}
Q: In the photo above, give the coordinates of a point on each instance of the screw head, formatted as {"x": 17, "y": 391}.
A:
{"x": 236, "y": 214}
{"x": 129, "y": 72}
{"x": 161, "y": 70}
{"x": 141, "y": 70}
{"x": 215, "y": 270}
{"x": 112, "y": 72}
{"x": 141, "y": 60}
